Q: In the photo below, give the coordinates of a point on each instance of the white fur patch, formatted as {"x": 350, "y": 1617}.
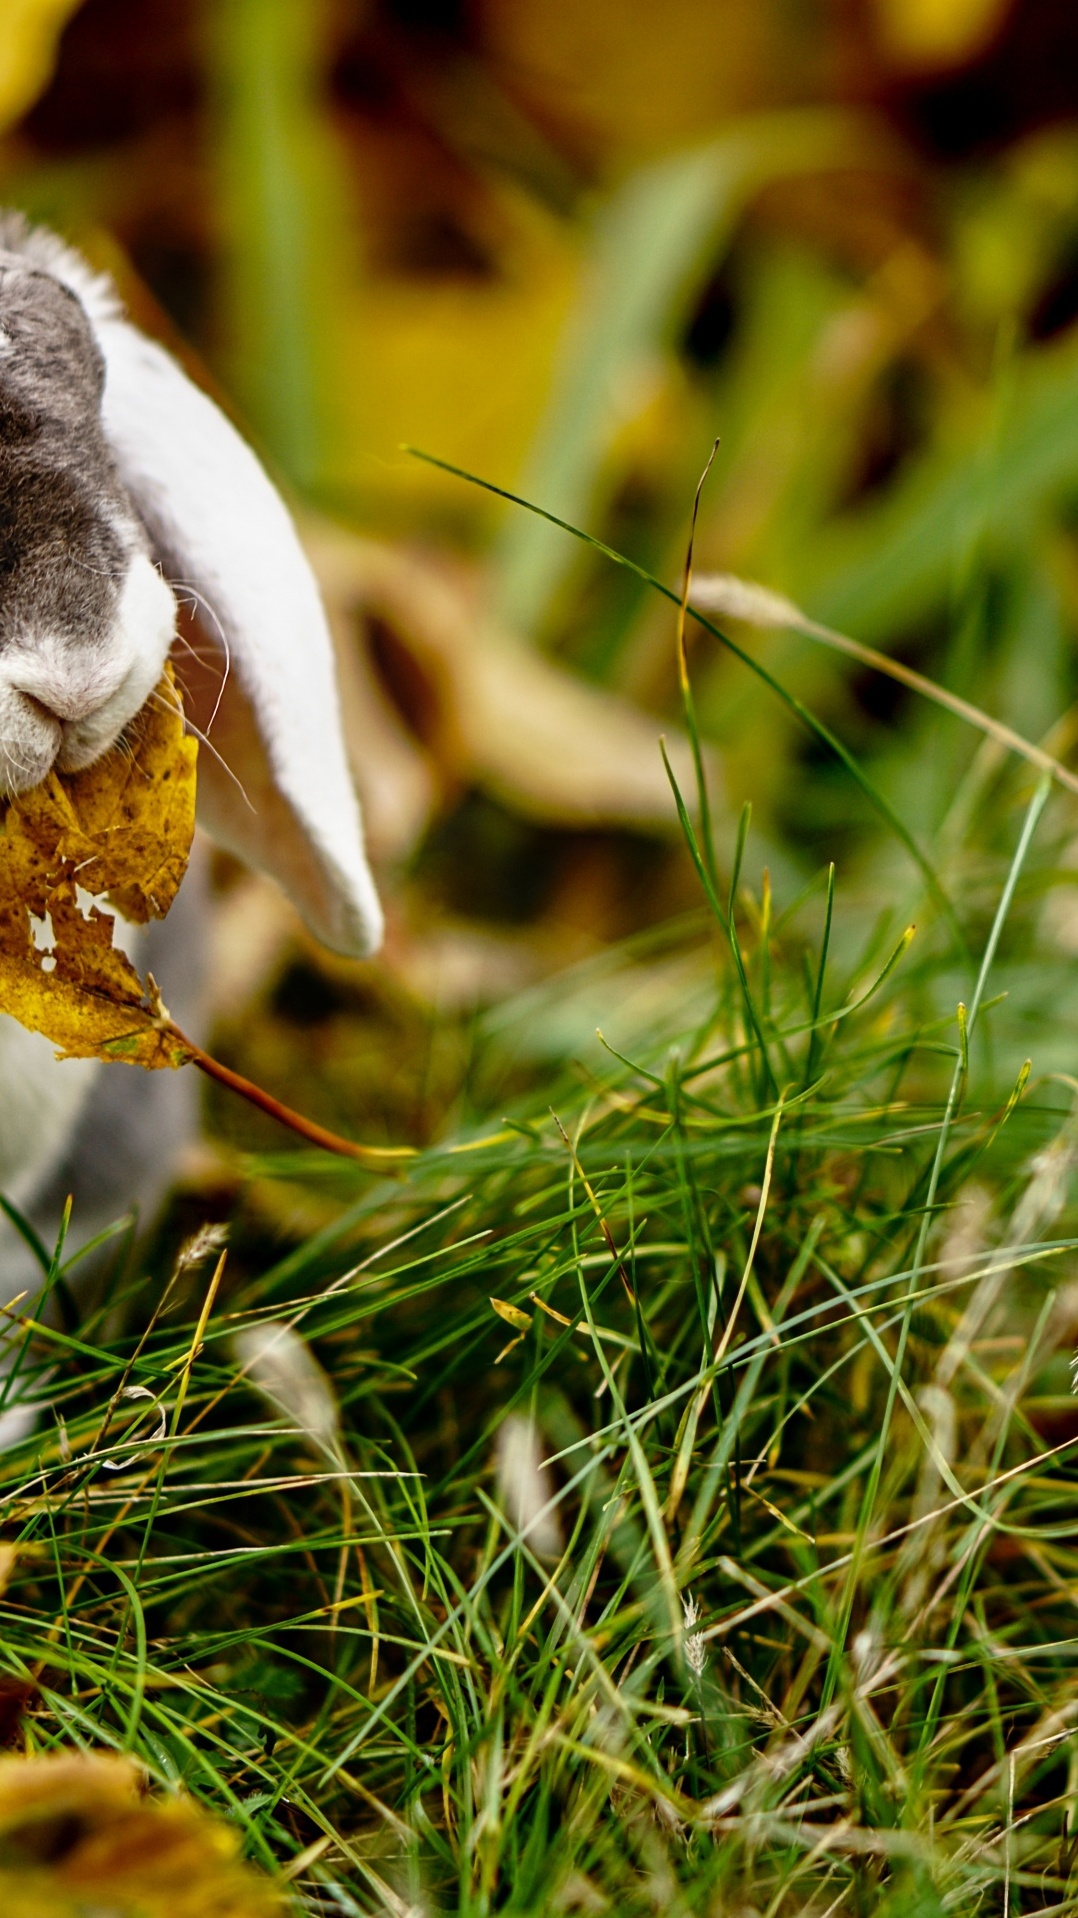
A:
{"x": 138, "y": 648}
{"x": 40, "y": 1106}
{"x": 222, "y": 526}
{"x": 67, "y": 704}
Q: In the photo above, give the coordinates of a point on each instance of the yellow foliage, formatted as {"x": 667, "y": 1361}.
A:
{"x": 636, "y": 78}
{"x": 120, "y": 832}
{"x": 77, "y": 1835}
{"x": 930, "y": 33}
{"x": 29, "y": 31}
{"x": 461, "y": 366}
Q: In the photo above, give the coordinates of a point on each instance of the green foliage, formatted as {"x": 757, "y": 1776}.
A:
{"x": 789, "y": 1329}
{"x": 777, "y": 1276}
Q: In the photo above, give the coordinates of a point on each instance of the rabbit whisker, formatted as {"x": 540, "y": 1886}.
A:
{"x": 99, "y": 572}
{"x": 12, "y": 761}
{"x": 209, "y": 651}
{"x": 199, "y": 599}
{"x": 177, "y": 706}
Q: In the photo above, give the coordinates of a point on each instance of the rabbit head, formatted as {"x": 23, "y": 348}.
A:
{"x": 86, "y": 620}
{"x": 117, "y": 475}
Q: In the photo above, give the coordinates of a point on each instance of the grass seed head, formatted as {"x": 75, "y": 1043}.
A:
{"x": 695, "y": 1647}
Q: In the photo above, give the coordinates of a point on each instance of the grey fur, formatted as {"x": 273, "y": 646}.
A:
{"x": 67, "y": 526}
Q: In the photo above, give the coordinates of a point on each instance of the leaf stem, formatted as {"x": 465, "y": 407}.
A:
{"x": 374, "y": 1156}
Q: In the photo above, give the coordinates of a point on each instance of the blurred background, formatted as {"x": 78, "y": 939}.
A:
{"x": 565, "y": 247}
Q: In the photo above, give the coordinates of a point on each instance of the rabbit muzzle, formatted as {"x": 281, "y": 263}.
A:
{"x": 64, "y": 701}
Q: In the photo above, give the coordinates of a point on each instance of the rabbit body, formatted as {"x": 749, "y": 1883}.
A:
{"x": 121, "y": 486}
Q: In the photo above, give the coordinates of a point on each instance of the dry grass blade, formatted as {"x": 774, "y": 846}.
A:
{"x": 740, "y": 599}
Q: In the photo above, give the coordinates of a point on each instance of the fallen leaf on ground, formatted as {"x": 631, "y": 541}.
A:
{"x": 77, "y": 1836}
{"x": 498, "y": 714}
{"x": 116, "y": 836}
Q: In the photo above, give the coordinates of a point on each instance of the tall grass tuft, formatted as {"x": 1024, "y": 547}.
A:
{"x": 667, "y": 1501}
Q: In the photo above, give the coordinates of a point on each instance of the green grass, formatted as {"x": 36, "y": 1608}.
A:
{"x": 785, "y": 1263}
{"x": 788, "y": 1282}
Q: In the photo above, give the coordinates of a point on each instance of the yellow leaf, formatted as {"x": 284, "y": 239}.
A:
{"x": 28, "y": 38}
{"x": 775, "y": 1513}
{"x": 512, "y": 1314}
{"x": 121, "y": 833}
{"x": 77, "y": 1836}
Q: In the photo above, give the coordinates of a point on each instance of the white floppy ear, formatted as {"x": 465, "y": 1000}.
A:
{"x": 275, "y": 789}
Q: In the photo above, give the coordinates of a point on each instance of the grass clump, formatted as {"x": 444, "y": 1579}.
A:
{"x": 666, "y": 1502}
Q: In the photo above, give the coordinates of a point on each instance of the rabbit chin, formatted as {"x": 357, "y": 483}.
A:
{"x": 64, "y": 702}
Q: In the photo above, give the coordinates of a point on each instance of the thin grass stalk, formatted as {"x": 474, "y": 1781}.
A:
{"x": 806, "y": 718}
{"x": 958, "y": 1079}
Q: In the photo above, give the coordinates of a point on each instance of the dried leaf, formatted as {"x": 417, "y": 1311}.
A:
{"x": 281, "y": 1367}
{"x": 77, "y": 1836}
{"x": 502, "y": 716}
{"x": 526, "y": 1497}
{"x": 121, "y": 833}
{"x": 512, "y": 1314}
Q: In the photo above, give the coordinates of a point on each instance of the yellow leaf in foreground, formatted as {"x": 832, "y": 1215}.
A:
{"x": 117, "y": 835}
{"x": 78, "y": 1837}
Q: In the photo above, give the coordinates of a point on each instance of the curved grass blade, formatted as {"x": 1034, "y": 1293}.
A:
{"x": 725, "y": 920}
{"x": 806, "y": 718}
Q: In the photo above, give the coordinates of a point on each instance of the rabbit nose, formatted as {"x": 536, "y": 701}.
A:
{"x": 62, "y": 705}
{"x": 40, "y": 707}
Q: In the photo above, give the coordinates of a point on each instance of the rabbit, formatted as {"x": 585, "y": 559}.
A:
{"x": 124, "y": 488}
